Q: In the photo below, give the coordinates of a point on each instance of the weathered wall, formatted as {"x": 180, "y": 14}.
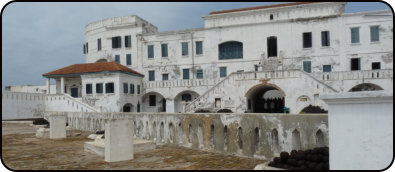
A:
{"x": 17, "y": 105}
{"x": 31, "y": 88}
{"x": 246, "y": 135}
{"x": 361, "y": 125}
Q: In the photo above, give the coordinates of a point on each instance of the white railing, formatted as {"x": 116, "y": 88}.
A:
{"x": 353, "y": 75}
{"x": 180, "y": 83}
{"x": 67, "y": 100}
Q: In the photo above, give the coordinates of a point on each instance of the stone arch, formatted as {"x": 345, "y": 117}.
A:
{"x": 101, "y": 60}
{"x": 319, "y": 138}
{"x": 265, "y": 98}
{"x": 296, "y": 143}
{"x": 153, "y": 102}
{"x": 181, "y": 100}
{"x": 365, "y": 87}
{"x": 127, "y": 107}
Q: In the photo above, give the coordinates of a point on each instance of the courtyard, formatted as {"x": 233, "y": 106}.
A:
{"x": 21, "y": 150}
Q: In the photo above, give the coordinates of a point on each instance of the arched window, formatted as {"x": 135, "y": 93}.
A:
{"x": 230, "y": 50}
{"x": 186, "y": 97}
{"x": 271, "y": 16}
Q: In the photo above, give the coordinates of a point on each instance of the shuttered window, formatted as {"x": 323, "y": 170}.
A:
{"x": 131, "y": 88}
{"x": 128, "y": 41}
{"x": 184, "y": 47}
{"x": 98, "y": 44}
{"x": 88, "y": 88}
{"x": 374, "y": 33}
{"x": 138, "y": 89}
{"x": 325, "y": 40}
{"x": 199, "y": 74}
{"x": 109, "y": 87}
{"x": 222, "y": 72}
{"x": 355, "y": 64}
{"x": 327, "y": 68}
{"x": 125, "y": 88}
{"x": 151, "y": 75}
{"x": 272, "y": 46}
{"x": 307, "y": 40}
{"x": 117, "y": 59}
{"x": 164, "y": 50}
{"x": 230, "y": 50}
{"x": 185, "y": 74}
{"x": 307, "y": 66}
{"x": 150, "y": 51}
{"x": 165, "y": 77}
{"x": 84, "y": 49}
{"x": 128, "y": 59}
{"x": 199, "y": 47}
{"x": 355, "y": 35}
{"x": 116, "y": 42}
{"x": 99, "y": 88}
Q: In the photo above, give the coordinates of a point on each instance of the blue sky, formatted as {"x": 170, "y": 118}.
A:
{"x": 41, "y": 37}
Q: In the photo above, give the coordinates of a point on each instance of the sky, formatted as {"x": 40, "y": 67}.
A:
{"x": 38, "y": 37}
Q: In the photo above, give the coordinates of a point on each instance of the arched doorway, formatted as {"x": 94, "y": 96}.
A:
{"x": 101, "y": 60}
{"x": 183, "y": 98}
{"x": 153, "y": 102}
{"x": 265, "y": 99}
{"x": 128, "y": 107}
{"x": 365, "y": 87}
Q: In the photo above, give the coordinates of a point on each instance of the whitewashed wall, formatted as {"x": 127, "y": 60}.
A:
{"x": 17, "y": 105}
{"x": 361, "y": 128}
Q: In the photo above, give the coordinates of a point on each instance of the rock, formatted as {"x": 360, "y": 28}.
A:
{"x": 284, "y": 156}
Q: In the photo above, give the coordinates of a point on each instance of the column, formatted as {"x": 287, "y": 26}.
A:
{"x": 57, "y": 128}
{"x": 118, "y": 140}
{"x": 48, "y": 86}
{"x": 62, "y": 85}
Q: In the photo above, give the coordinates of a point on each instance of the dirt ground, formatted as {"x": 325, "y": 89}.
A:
{"x": 21, "y": 150}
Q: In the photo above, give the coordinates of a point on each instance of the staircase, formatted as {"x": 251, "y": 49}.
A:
{"x": 64, "y": 102}
{"x": 235, "y": 77}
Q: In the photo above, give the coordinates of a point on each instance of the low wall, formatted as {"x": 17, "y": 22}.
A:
{"x": 258, "y": 135}
{"x": 18, "y": 105}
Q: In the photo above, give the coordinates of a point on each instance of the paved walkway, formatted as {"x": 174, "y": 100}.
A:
{"x": 22, "y": 151}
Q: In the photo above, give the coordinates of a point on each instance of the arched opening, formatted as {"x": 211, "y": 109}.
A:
{"x": 296, "y": 144}
{"x": 171, "y": 133}
{"x": 200, "y": 135}
{"x": 256, "y": 139}
{"x": 101, "y": 60}
{"x": 274, "y": 140}
{"x": 162, "y": 131}
{"x": 154, "y": 131}
{"x": 319, "y": 138}
{"x": 265, "y": 99}
{"x": 212, "y": 135}
{"x": 240, "y": 137}
{"x": 180, "y": 133}
{"x": 365, "y": 87}
{"x": 190, "y": 133}
{"x": 135, "y": 128}
{"x": 128, "y": 107}
{"x": 226, "y": 138}
{"x": 140, "y": 129}
{"x": 153, "y": 102}
{"x": 230, "y": 50}
{"x": 271, "y": 16}
{"x": 183, "y": 98}
{"x": 147, "y": 135}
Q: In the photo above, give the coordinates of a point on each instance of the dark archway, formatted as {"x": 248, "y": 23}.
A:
{"x": 127, "y": 107}
{"x": 265, "y": 99}
{"x": 365, "y": 87}
{"x": 101, "y": 60}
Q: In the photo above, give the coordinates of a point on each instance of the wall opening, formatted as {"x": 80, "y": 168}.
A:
{"x": 226, "y": 138}
{"x": 256, "y": 139}
{"x": 365, "y": 87}
{"x": 266, "y": 99}
{"x": 200, "y": 135}
{"x": 240, "y": 137}
{"x": 190, "y": 133}
{"x": 274, "y": 139}
{"x": 272, "y": 46}
{"x": 212, "y": 135}
{"x": 171, "y": 132}
{"x": 162, "y": 131}
{"x": 140, "y": 129}
{"x": 180, "y": 133}
{"x": 319, "y": 138}
{"x": 147, "y": 135}
{"x": 154, "y": 136}
{"x": 296, "y": 144}
{"x": 135, "y": 128}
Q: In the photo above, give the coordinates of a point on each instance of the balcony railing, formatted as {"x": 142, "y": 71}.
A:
{"x": 353, "y": 75}
{"x": 180, "y": 83}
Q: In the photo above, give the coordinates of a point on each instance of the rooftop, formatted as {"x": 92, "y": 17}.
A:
{"x": 259, "y": 7}
{"x": 87, "y": 68}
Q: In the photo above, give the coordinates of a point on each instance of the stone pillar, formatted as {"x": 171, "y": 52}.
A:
{"x": 170, "y": 106}
{"x": 62, "y": 85}
{"x": 48, "y": 86}
{"x": 118, "y": 140}
{"x": 57, "y": 128}
{"x": 360, "y": 130}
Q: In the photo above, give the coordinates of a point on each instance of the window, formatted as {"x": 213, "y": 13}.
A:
{"x": 109, "y": 87}
{"x": 128, "y": 41}
{"x": 199, "y": 47}
{"x": 164, "y": 50}
{"x": 87, "y": 48}
{"x": 230, "y": 50}
{"x": 116, "y": 42}
{"x": 128, "y": 59}
{"x": 138, "y": 89}
{"x": 117, "y": 59}
{"x": 150, "y": 51}
{"x": 125, "y": 88}
{"x": 151, "y": 75}
{"x": 272, "y": 46}
{"x": 152, "y": 100}
{"x": 355, "y": 35}
{"x": 374, "y": 34}
{"x": 99, "y": 88}
{"x": 222, "y": 72}
{"x": 131, "y": 88}
{"x": 88, "y": 88}
{"x": 84, "y": 49}
{"x": 327, "y": 68}
{"x": 186, "y": 97}
{"x": 217, "y": 102}
{"x": 325, "y": 40}
{"x": 98, "y": 44}
{"x": 376, "y": 65}
{"x": 355, "y": 64}
{"x": 138, "y": 107}
{"x": 185, "y": 74}
{"x": 184, "y": 47}
{"x": 199, "y": 74}
{"x": 307, "y": 40}
{"x": 307, "y": 66}
{"x": 271, "y": 16}
{"x": 165, "y": 77}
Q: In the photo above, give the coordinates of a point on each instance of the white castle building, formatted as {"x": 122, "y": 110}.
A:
{"x": 266, "y": 59}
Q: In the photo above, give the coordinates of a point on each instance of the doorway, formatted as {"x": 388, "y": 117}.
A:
{"x": 74, "y": 92}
